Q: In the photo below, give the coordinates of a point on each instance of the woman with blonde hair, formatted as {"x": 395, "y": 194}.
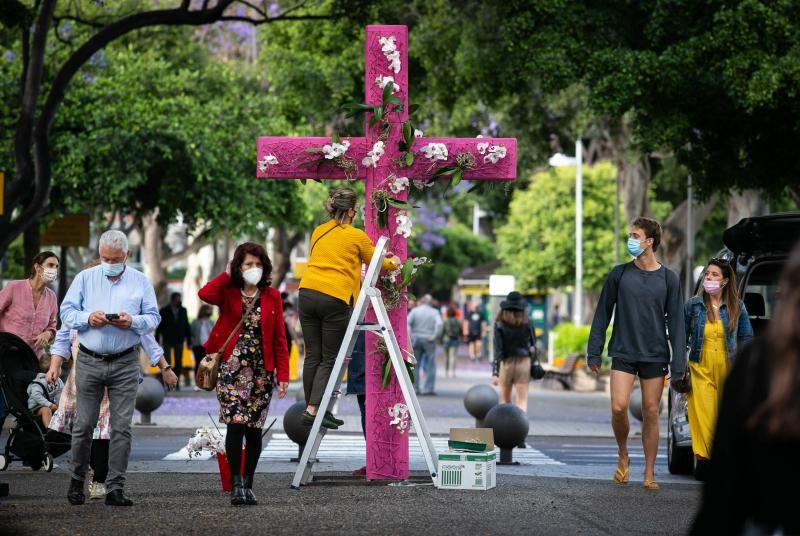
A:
{"x": 328, "y": 290}
{"x": 716, "y": 325}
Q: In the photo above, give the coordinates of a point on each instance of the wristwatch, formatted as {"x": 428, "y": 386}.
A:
{"x": 168, "y": 367}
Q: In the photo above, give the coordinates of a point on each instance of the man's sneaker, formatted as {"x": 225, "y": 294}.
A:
{"x": 97, "y": 490}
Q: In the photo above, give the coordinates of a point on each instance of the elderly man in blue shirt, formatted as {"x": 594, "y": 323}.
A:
{"x": 60, "y": 351}
{"x": 111, "y": 306}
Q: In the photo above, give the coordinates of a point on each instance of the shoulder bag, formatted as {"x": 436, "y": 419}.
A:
{"x": 537, "y": 371}
{"x": 208, "y": 369}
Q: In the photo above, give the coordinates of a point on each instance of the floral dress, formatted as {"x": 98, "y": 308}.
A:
{"x": 244, "y": 387}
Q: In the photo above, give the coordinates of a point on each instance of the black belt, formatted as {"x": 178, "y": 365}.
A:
{"x": 98, "y": 355}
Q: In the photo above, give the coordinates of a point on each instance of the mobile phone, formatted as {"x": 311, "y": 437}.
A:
{"x": 112, "y": 316}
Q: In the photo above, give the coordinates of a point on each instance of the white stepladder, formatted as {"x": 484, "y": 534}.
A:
{"x": 369, "y": 295}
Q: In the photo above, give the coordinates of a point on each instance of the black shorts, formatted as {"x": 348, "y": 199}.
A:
{"x": 646, "y": 370}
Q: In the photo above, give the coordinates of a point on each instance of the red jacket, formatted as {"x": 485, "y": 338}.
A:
{"x": 221, "y": 292}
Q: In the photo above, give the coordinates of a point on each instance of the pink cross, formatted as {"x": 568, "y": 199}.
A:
{"x": 281, "y": 158}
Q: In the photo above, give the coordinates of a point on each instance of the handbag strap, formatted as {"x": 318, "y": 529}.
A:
{"x": 320, "y": 238}
{"x": 241, "y": 322}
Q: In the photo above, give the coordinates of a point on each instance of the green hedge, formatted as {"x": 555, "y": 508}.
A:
{"x": 573, "y": 339}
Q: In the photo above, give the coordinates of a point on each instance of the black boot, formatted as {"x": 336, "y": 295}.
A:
{"x": 247, "y": 484}
{"x": 75, "y": 494}
{"x": 238, "y": 497}
{"x": 117, "y": 498}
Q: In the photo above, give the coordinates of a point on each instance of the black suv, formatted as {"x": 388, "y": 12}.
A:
{"x": 757, "y": 248}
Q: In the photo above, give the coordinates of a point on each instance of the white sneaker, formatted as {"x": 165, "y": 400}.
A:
{"x": 97, "y": 490}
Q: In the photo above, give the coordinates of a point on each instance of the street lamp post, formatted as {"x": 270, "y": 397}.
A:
{"x": 560, "y": 160}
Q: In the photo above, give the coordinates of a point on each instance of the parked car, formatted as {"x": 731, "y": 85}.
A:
{"x": 757, "y": 248}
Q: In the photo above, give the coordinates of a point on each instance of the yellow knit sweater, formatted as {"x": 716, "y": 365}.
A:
{"x": 334, "y": 266}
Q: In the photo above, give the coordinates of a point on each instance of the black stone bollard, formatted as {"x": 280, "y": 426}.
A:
{"x": 149, "y": 398}
{"x": 479, "y": 400}
{"x": 510, "y": 426}
{"x": 295, "y": 429}
{"x": 635, "y": 405}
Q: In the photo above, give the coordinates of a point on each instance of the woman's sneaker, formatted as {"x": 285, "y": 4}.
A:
{"x": 308, "y": 420}
{"x": 97, "y": 490}
{"x": 330, "y": 416}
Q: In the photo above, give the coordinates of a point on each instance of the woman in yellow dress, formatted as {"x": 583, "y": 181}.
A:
{"x": 716, "y": 325}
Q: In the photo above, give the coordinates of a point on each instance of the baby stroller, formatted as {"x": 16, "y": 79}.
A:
{"x": 30, "y": 441}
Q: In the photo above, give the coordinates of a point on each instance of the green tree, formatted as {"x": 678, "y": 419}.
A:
{"x": 45, "y": 73}
{"x": 537, "y": 243}
{"x": 460, "y": 249}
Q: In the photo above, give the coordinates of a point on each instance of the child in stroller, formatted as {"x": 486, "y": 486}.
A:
{"x": 30, "y": 441}
{"x": 43, "y": 397}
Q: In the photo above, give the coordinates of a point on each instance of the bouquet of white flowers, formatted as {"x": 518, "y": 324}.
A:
{"x": 206, "y": 439}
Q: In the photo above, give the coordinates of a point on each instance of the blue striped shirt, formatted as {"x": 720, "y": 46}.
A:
{"x": 93, "y": 291}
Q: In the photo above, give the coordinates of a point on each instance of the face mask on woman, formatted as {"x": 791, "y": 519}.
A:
{"x": 49, "y": 274}
{"x": 252, "y": 276}
{"x": 713, "y": 287}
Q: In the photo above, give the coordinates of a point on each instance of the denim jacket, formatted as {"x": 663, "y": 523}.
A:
{"x": 695, "y": 317}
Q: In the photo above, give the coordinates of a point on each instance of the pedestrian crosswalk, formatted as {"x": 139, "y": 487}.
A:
{"x": 594, "y": 454}
{"x": 352, "y": 447}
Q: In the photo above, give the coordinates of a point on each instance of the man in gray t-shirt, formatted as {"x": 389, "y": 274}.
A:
{"x": 646, "y": 301}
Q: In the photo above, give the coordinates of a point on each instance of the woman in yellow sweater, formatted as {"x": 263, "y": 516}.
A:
{"x": 328, "y": 289}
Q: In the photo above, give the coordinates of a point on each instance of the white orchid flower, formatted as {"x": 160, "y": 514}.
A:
{"x": 398, "y": 185}
{"x": 496, "y": 153}
{"x": 268, "y": 160}
{"x": 482, "y": 147}
{"x": 387, "y": 44}
{"x": 383, "y": 81}
{"x": 329, "y": 152}
{"x": 418, "y": 133}
{"x": 435, "y": 151}
{"x": 403, "y": 224}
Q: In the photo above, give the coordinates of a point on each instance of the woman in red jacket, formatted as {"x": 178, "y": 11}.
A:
{"x": 253, "y": 360}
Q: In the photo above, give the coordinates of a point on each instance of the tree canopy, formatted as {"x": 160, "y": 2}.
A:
{"x": 537, "y": 243}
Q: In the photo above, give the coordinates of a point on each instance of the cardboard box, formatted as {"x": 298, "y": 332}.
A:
{"x": 473, "y": 436}
{"x": 467, "y": 470}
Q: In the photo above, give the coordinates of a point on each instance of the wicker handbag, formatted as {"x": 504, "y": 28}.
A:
{"x": 208, "y": 369}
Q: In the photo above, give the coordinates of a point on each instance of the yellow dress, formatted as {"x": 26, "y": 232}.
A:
{"x": 708, "y": 377}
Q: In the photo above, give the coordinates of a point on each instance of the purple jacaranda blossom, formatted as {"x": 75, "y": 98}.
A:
{"x": 274, "y": 10}
{"x": 98, "y": 59}
{"x": 9, "y": 56}
{"x": 88, "y": 78}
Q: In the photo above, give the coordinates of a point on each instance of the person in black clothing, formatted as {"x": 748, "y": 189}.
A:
{"x": 514, "y": 342}
{"x": 173, "y": 332}
{"x": 754, "y": 463}
{"x": 639, "y": 294}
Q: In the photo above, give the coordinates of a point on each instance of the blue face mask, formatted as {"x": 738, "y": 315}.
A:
{"x": 113, "y": 270}
{"x": 635, "y": 247}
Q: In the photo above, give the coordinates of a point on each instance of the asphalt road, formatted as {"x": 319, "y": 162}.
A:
{"x": 194, "y": 504}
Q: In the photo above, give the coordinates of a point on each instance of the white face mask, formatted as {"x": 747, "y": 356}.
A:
{"x": 49, "y": 274}
{"x": 252, "y": 276}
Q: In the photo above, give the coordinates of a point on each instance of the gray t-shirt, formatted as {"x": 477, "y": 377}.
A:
{"x": 648, "y": 317}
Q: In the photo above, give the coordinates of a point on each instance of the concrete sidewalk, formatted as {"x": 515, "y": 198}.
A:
{"x": 194, "y": 504}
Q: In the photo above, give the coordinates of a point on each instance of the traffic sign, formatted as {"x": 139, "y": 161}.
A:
{"x": 68, "y": 230}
